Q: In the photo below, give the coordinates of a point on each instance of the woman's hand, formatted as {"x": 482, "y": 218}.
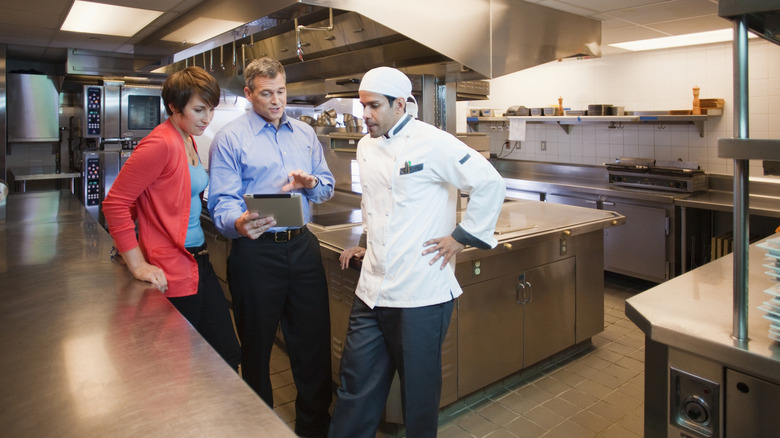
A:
{"x": 144, "y": 271}
{"x": 349, "y": 253}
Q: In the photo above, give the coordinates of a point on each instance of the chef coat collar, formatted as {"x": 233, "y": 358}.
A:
{"x": 398, "y": 126}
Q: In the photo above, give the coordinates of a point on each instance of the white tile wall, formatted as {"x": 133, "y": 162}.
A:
{"x": 655, "y": 80}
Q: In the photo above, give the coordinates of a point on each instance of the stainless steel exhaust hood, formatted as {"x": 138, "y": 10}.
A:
{"x": 454, "y": 40}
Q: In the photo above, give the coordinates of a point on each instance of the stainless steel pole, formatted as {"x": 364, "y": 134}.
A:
{"x": 741, "y": 182}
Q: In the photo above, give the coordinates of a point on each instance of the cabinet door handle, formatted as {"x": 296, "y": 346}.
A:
{"x": 520, "y": 291}
{"x": 607, "y": 203}
{"x": 530, "y": 289}
{"x": 590, "y": 202}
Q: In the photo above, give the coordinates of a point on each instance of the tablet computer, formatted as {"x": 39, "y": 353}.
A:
{"x": 285, "y": 208}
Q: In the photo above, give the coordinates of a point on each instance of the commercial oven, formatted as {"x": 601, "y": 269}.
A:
{"x": 115, "y": 118}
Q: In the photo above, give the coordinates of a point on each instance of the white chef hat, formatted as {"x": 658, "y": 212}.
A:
{"x": 391, "y": 82}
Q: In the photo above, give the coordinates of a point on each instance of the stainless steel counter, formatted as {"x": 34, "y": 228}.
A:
{"x": 759, "y": 205}
{"x": 553, "y": 252}
{"x": 522, "y": 221}
{"x": 700, "y": 380}
{"x": 89, "y": 351}
{"x": 693, "y": 312}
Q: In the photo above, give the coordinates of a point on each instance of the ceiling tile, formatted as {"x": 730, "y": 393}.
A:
{"x": 668, "y": 11}
{"x": 693, "y": 25}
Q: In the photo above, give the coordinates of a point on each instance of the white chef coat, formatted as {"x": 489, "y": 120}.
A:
{"x": 409, "y": 183}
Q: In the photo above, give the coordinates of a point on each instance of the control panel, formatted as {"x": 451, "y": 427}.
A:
{"x": 93, "y": 107}
{"x": 694, "y": 405}
{"x": 92, "y": 180}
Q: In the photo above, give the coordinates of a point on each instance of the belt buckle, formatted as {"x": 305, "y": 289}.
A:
{"x": 278, "y": 235}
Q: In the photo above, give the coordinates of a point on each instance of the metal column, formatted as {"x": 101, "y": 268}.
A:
{"x": 741, "y": 182}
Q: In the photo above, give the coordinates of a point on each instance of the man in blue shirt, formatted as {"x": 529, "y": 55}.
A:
{"x": 275, "y": 274}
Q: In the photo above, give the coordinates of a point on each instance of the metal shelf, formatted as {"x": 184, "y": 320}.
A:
{"x": 749, "y": 149}
{"x": 565, "y": 122}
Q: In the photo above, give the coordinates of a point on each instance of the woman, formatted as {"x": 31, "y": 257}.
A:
{"x": 160, "y": 186}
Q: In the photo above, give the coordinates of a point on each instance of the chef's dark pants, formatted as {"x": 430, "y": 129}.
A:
{"x": 273, "y": 282}
{"x": 379, "y": 341}
{"x": 209, "y": 312}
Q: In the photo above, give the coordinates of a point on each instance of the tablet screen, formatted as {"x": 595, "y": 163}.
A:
{"x": 285, "y": 208}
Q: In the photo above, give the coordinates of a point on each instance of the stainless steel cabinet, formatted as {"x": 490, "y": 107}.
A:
{"x": 511, "y": 322}
{"x": 638, "y": 248}
{"x": 642, "y": 247}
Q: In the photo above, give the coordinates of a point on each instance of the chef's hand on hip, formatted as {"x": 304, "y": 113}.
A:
{"x": 251, "y": 225}
{"x": 349, "y": 253}
{"x": 444, "y": 247}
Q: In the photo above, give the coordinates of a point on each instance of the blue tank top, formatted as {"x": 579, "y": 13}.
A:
{"x": 199, "y": 179}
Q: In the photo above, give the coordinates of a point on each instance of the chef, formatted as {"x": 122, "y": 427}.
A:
{"x": 409, "y": 174}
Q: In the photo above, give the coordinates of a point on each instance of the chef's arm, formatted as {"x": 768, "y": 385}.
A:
{"x": 467, "y": 239}
{"x": 354, "y": 252}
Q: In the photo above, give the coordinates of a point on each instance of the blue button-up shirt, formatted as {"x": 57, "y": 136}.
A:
{"x": 249, "y": 155}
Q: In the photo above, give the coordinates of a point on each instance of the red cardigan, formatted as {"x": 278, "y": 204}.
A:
{"x": 154, "y": 186}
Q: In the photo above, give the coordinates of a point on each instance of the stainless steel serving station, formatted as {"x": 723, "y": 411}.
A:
{"x": 538, "y": 295}
{"x": 699, "y": 380}
{"x": 88, "y": 351}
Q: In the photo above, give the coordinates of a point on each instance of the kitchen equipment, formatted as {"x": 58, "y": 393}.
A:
{"x": 550, "y": 110}
{"x": 114, "y": 110}
{"x": 308, "y": 120}
{"x": 537, "y": 112}
{"x": 712, "y": 103}
{"x": 517, "y": 110}
{"x": 33, "y": 108}
{"x": 696, "y": 102}
{"x": 599, "y": 109}
{"x": 645, "y": 173}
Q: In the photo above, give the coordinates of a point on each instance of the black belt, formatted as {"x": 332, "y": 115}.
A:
{"x": 198, "y": 251}
{"x": 282, "y": 236}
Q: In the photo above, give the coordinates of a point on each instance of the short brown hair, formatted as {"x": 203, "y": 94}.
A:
{"x": 179, "y": 87}
{"x": 264, "y": 68}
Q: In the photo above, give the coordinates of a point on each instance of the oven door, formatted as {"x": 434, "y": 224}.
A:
{"x": 142, "y": 110}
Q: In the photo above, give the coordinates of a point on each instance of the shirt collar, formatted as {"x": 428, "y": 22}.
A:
{"x": 258, "y": 123}
{"x": 398, "y": 126}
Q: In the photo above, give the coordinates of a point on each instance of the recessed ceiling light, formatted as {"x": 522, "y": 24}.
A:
{"x": 99, "y": 18}
{"x": 691, "y": 39}
{"x": 201, "y": 29}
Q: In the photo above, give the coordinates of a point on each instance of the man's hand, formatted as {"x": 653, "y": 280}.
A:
{"x": 349, "y": 253}
{"x": 251, "y": 225}
{"x": 300, "y": 180}
{"x": 445, "y": 247}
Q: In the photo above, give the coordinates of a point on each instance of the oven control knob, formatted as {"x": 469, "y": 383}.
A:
{"x": 696, "y": 409}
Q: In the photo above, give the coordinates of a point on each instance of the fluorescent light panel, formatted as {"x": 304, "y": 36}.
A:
{"x": 99, "y": 18}
{"x": 691, "y": 39}
{"x": 200, "y": 30}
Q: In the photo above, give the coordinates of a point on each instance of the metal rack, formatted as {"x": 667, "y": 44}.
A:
{"x": 761, "y": 18}
{"x": 565, "y": 122}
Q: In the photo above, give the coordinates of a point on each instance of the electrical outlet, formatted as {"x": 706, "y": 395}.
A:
{"x": 544, "y": 145}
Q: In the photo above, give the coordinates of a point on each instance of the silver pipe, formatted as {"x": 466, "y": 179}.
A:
{"x": 741, "y": 182}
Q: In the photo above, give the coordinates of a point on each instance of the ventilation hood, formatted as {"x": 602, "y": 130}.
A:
{"x": 453, "y": 40}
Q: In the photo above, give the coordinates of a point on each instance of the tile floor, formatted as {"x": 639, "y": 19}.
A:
{"x": 597, "y": 392}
